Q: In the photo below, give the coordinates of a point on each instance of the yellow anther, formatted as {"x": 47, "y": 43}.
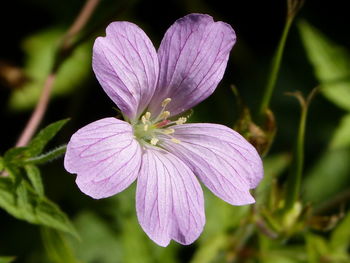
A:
{"x": 147, "y": 115}
{"x": 143, "y": 119}
{"x": 154, "y": 141}
{"x": 165, "y": 102}
{"x": 181, "y": 120}
{"x": 145, "y": 128}
{"x": 175, "y": 140}
{"x": 168, "y": 131}
{"x": 164, "y": 115}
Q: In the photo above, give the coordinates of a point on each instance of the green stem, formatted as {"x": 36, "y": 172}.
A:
{"x": 276, "y": 63}
{"x": 49, "y": 156}
{"x": 294, "y": 179}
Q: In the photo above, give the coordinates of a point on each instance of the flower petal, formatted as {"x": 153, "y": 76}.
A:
{"x": 193, "y": 56}
{"x": 224, "y": 161}
{"x": 169, "y": 199}
{"x": 105, "y": 156}
{"x": 126, "y": 65}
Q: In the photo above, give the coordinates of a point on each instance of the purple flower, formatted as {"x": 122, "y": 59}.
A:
{"x": 154, "y": 145}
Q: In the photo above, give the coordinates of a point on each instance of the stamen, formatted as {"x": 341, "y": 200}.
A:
{"x": 143, "y": 119}
{"x": 168, "y": 131}
{"x": 175, "y": 140}
{"x": 154, "y": 141}
{"x": 147, "y": 115}
{"x": 145, "y": 128}
{"x": 166, "y": 102}
{"x": 181, "y": 120}
{"x": 164, "y": 115}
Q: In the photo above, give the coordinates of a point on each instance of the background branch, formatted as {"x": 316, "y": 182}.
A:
{"x": 66, "y": 45}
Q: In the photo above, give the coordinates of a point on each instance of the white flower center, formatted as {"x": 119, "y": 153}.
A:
{"x": 148, "y": 128}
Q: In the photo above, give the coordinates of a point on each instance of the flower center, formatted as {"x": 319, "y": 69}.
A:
{"x": 148, "y": 128}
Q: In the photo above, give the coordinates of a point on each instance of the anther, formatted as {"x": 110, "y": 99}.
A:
{"x": 164, "y": 115}
{"x": 147, "y": 115}
{"x": 168, "y": 131}
{"x": 175, "y": 140}
{"x": 143, "y": 119}
{"x": 181, "y": 120}
{"x": 165, "y": 102}
{"x": 154, "y": 141}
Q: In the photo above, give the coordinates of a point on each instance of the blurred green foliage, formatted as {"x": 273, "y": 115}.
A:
{"x": 317, "y": 229}
{"x": 39, "y": 50}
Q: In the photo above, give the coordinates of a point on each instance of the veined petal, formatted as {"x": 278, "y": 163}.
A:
{"x": 126, "y": 65}
{"x": 224, "y": 161}
{"x": 105, "y": 156}
{"x": 193, "y": 56}
{"x": 169, "y": 199}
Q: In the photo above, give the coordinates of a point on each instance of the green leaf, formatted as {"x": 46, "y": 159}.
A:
{"x": 274, "y": 165}
{"x": 101, "y": 243}
{"x": 341, "y": 137}
{"x": 16, "y": 156}
{"x": 328, "y": 176}
{"x": 57, "y": 248}
{"x": 40, "y": 51}
{"x": 37, "y": 144}
{"x": 331, "y": 64}
{"x": 210, "y": 249}
{"x": 6, "y": 259}
{"x": 340, "y": 238}
{"x": 22, "y": 202}
{"x": 34, "y": 176}
{"x": 2, "y": 165}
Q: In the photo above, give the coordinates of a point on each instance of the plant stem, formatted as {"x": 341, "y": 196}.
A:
{"x": 67, "y": 44}
{"x": 294, "y": 179}
{"x": 275, "y": 67}
{"x": 293, "y": 6}
{"x": 49, "y": 156}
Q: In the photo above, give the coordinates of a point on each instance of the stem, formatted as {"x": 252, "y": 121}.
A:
{"x": 293, "y": 6}
{"x": 276, "y": 63}
{"x": 67, "y": 43}
{"x": 49, "y": 156}
{"x": 294, "y": 179}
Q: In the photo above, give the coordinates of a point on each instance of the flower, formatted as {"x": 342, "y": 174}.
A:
{"x": 154, "y": 145}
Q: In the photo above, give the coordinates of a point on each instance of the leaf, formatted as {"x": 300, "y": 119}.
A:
{"x": 100, "y": 242}
{"x": 16, "y": 156}
{"x": 340, "y": 238}
{"x": 22, "y": 202}
{"x": 274, "y": 165}
{"x": 341, "y": 137}
{"x": 57, "y": 248}
{"x": 331, "y": 64}
{"x": 40, "y": 51}
{"x": 6, "y": 259}
{"x": 328, "y": 176}
{"x": 34, "y": 176}
{"x": 37, "y": 144}
{"x": 209, "y": 250}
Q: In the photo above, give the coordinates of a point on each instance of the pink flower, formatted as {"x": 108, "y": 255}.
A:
{"x": 154, "y": 145}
